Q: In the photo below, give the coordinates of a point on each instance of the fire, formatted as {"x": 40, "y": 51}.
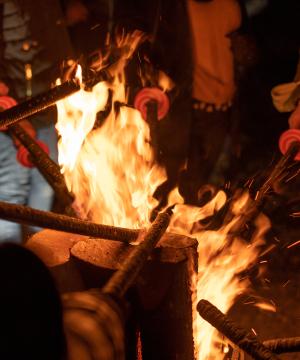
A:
{"x": 221, "y": 258}
{"x": 111, "y": 171}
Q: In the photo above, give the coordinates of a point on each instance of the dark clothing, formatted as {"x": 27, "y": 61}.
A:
{"x": 167, "y": 24}
{"x": 33, "y": 34}
{"x": 208, "y": 133}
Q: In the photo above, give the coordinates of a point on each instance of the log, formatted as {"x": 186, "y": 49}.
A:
{"x": 161, "y": 299}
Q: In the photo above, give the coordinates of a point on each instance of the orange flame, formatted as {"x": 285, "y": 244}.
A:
{"x": 111, "y": 172}
{"x": 220, "y": 260}
{"x": 110, "y": 169}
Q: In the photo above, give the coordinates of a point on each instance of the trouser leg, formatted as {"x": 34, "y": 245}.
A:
{"x": 14, "y": 186}
{"x": 41, "y": 193}
{"x": 208, "y": 133}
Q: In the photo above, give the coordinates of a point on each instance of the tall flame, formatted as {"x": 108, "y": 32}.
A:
{"x": 111, "y": 172}
{"x": 110, "y": 169}
{"x": 221, "y": 259}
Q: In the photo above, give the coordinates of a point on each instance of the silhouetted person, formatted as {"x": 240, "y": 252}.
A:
{"x": 30, "y": 308}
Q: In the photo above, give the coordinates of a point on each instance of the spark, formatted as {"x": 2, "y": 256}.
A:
{"x": 293, "y": 244}
{"x": 270, "y": 248}
{"x": 292, "y": 177}
{"x": 285, "y": 284}
{"x": 254, "y": 332}
{"x": 249, "y": 302}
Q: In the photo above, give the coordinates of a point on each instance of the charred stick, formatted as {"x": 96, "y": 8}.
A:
{"x": 152, "y": 121}
{"x": 278, "y": 170}
{"x": 99, "y": 76}
{"x": 285, "y": 345}
{"x": 253, "y": 207}
{"x": 38, "y": 103}
{"x": 240, "y": 337}
{"x": 123, "y": 278}
{"x": 46, "y": 219}
{"x": 46, "y": 166}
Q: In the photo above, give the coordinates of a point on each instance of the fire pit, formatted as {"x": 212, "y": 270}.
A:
{"x": 154, "y": 286}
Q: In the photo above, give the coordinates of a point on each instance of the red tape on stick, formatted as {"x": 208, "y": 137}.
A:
{"x": 6, "y": 102}
{"x": 23, "y": 156}
{"x": 287, "y": 138}
{"x": 152, "y": 94}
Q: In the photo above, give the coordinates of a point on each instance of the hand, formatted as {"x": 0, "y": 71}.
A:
{"x": 27, "y": 126}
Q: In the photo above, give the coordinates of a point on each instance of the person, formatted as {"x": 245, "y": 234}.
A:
{"x": 168, "y": 49}
{"x": 192, "y": 44}
{"x": 31, "y": 326}
{"x": 212, "y": 22}
{"x": 34, "y": 42}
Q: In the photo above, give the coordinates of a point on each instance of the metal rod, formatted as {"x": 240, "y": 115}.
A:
{"x": 285, "y": 345}
{"x": 46, "y": 219}
{"x": 38, "y": 103}
{"x": 152, "y": 120}
{"x": 46, "y": 166}
{"x": 123, "y": 278}
{"x": 240, "y": 337}
{"x": 278, "y": 170}
{"x": 254, "y": 206}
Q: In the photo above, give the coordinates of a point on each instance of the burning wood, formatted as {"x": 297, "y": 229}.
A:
{"x": 103, "y": 310}
{"x": 160, "y": 300}
{"x": 26, "y": 215}
{"x": 286, "y": 345}
{"x": 124, "y": 278}
{"x": 114, "y": 166}
{"x": 47, "y": 167}
{"x": 242, "y": 338}
{"x": 110, "y": 169}
{"x": 38, "y": 103}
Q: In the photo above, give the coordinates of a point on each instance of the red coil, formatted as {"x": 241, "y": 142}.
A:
{"x": 287, "y": 138}
{"x": 152, "y": 94}
{"x": 6, "y": 102}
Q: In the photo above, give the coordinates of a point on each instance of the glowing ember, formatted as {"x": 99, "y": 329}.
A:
{"x": 111, "y": 172}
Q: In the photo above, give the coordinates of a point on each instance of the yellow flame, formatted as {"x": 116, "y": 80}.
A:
{"x": 221, "y": 258}
{"x": 111, "y": 172}
{"x": 110, "y": 169}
